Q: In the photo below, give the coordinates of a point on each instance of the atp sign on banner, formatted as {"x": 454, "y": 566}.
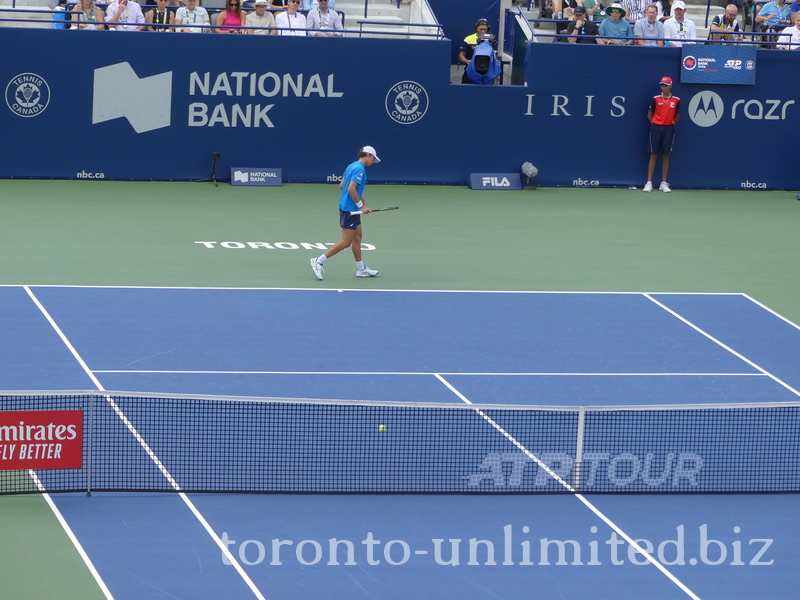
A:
{"x": 41, "y": 439}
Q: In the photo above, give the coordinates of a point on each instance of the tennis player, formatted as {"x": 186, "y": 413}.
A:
{"x": 351, "y": 200}
{"x": 663, "y": 115}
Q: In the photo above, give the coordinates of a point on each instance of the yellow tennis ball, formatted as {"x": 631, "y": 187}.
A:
{"x": 382, "y": 428}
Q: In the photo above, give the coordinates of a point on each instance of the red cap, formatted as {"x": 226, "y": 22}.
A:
{"x": 666, "y": 81}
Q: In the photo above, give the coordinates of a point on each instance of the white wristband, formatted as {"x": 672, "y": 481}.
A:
{"x": 359, "y": 204}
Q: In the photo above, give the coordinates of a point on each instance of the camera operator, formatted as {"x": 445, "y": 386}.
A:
{"x": 471, "y": 42}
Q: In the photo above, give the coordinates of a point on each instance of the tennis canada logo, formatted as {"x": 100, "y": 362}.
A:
{"x": 27, "y": 95}
{"x": 407, "y": 102}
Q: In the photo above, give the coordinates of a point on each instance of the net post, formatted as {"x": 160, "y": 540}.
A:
{"x": 576, "y": 473}
{"x": 89, "y": 452}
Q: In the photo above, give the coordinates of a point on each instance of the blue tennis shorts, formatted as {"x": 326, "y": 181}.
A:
{"x": 348, "y": 221}
{"x": 661, "y": 138}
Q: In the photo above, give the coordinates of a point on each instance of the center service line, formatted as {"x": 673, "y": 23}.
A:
{"x": 225, "y": 550}
{"x": 580, "y": 497}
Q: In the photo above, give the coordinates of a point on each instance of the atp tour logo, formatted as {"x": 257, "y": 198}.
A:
{"x": 706, "y": 108}
{"x": 689, "y": 63}
{"x": 407, "y": 102}
{"x": 145, "y": 102}
{"x": 736, "y": 65}
{"x": 27, "y": 95}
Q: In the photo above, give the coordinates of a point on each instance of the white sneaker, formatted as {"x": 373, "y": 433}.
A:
{"x": 664, "y": 187}
{"x": 648, "y": 187}
{"x": 317, "y": 268}
{"x": 366, "y": 272}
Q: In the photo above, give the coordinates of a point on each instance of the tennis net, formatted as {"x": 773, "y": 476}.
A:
{"x": 120, "y": 441}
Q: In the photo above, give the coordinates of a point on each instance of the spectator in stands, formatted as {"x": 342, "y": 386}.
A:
{"x": 680, "y": 29}
{"x": 88, "y": 12}
{"x": 312, "y": 4}
{"x": 189, "y": 18}
{"x": 291, "y": 22}
{"x": 725, "y": 27}
{"x": 774, "y": 16}
{"x": 160, "y": 18}
{"x": 325, "y": 21}
{"x": 790, "y": 37}
{"x": 261, "y": 18}
{"x": 231, "y": 16}
{"x": 616, "y": 29}
{"x": 636, "y": 10}
{"x": 280, "y": 4}
{"x": 469, "y": 44}
{"x": 664, "y": 10}
{"x": 593, "y": 10}
{"x": 663, "y": 115}
{"x": 582, "y": 26}
{"x": 649, "y": 29}
{"x": 125, "y": 15}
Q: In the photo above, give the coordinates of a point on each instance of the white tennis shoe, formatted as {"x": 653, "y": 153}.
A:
{"x": 366, "y": 272}
{"x": 664, "y": 187}
{"x": 648, "y": 187}
{"x": 317, "y": 268}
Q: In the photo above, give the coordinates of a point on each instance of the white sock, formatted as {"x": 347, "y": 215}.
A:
{"x": 360, "y": 265}
{"x": 321, "y": 260}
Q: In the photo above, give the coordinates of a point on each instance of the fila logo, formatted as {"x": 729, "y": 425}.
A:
{"x": 146, "y": 102}
{"x": 496, "y": 181}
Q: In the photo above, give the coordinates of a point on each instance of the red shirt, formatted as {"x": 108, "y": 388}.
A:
{"x": 664, "y": 109}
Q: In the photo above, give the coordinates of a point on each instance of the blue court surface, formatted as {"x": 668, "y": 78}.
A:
{"x": 489, "y": 348}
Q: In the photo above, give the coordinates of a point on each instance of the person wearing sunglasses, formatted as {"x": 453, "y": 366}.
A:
{"x": 326, "y": 22}
{"x": 160, "y": 18}
{"x": 232, "y": 16}
{"x": 291, "y": 22}
{"x": 261, "y": 20}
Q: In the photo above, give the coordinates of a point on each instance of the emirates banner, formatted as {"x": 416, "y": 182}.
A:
{"x": 41, "y": 439}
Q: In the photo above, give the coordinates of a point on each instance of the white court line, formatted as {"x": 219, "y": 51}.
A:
{"x": 769, "y": 310}
{"x": 225, "y": 550}
{"x": 71, "y": 535}
{"x": 317, "y": 289}
{"x": 430, "y": 373}
{"x": 719, "y": 343}
{"x": 580, "y": 497}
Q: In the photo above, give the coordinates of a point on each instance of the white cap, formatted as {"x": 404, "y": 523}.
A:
{"x": 679, "y": 4}
{"x": 264, "y": 2}
{"x": 371, "y": 150}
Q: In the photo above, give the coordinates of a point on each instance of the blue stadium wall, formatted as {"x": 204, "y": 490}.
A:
{"x": 155, "y": 107}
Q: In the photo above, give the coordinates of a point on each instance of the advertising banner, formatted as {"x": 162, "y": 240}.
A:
{"x": 716, "y": 64}
{"x": 41, "y": 439}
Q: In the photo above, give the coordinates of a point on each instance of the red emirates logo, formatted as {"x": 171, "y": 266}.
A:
{"x": 41, "y": 439}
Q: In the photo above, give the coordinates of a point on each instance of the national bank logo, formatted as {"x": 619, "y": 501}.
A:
{"x": 27, "y": 95}
{"x": 407, "y": 102}
{"x": 119, "y": 92}
{"x": 706, "y": 108}
{"x": 242, "y": 176}
{"x": 689, "y": 62}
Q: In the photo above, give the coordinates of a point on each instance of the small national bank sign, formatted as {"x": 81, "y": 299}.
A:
{"x": 248, "y": 176}
{"x": 41, "y": 439}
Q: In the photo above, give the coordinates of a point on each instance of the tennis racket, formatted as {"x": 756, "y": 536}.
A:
{"x": 358, "y": 212}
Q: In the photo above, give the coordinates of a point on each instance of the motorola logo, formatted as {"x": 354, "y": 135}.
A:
{"x": 706, "y": 108}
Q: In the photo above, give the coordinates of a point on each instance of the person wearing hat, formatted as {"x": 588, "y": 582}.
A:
{"x": 261, "y": 20}
{"x": 679, "y": 30}
{"x": 616, "y": 30}
{"x": 351, "y": 201}
{"x": 649, "y": 30}
{"x": 663, "y": 115}
{"x": 582, "y": 26}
